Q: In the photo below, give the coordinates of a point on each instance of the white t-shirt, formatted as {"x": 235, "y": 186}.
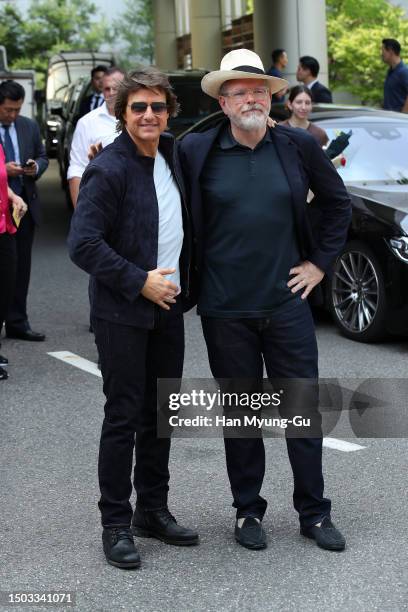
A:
{"x": 170, "y": 218}
{"x": 96, "y": 126}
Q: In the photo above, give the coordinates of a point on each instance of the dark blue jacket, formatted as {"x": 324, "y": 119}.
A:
{"x": 320, "y": 93}
{"x": 31, "y": 147}
{"x": 306, "y": 167}
{"x": 115, "y": 226}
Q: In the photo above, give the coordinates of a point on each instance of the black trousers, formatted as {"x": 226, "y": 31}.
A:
{"x": 17, "y": 315}
{"x": 286, "y": 343}
{"x": 132, "y": 359}
{"x": 8, "y": 265}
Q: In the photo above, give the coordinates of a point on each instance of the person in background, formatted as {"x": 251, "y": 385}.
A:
{"x": 396, "y": 81}
{"x": 95, "y": 99}
{"x": 307, "y": 73}
{"x": 8, "y": 254}
{"x": 279, "y": 63}
{"x": 97, "y": 126}
{"x": 300, "y": 106}
{"x": 26, "y": 161}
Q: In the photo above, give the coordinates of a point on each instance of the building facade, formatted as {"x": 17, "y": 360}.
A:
{"x": 197, "y": 33}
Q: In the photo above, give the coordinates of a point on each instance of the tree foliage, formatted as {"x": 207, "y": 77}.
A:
{"x": 355, "y": 30}
{"x": 51, "y": 25}
{"x": 135, "y": 28}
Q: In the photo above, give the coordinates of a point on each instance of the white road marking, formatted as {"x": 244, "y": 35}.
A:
{"x": 91, "y": 368}
{"x": 342, "y": 445}
{"x": 77, "y": 361}
{"x": 334, "y": 443}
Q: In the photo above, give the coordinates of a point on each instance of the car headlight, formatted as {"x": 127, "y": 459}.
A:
{"x": 399, "y": 246}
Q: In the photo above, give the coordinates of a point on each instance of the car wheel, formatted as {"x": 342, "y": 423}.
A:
{"x": 357, "y": 294}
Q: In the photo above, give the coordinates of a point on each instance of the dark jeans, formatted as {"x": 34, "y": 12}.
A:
{"x": 286, "y": 342}
{"x": 17, "y": 315}
{"x": 8, "y": 263}
{"x": 132, "y": 359}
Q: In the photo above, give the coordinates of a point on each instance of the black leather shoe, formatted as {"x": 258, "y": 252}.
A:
{"x": 119, "y": 548}
{"x": 26, "y": 334}
{"x": 326, "y": 536}
{"x": 251, "y": 535}
{"x": 162, "y": 525}
{"x": 3, "y": 361}
{"x": 3, "y": 374}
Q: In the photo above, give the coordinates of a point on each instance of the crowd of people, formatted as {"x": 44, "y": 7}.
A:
{"x": 218, "y": 221}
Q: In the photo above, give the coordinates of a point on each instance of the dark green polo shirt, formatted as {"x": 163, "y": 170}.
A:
{"x": 250, "y": 243}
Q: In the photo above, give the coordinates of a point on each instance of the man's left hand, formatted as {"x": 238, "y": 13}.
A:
{"x": 305, "y": 276}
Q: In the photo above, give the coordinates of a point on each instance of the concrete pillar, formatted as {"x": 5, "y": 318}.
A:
{"x": 299, "y": 26}
{"x": 165, "y": 34}
{"x": 205, "y": 23}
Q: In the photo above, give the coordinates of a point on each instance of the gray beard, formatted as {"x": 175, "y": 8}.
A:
{"x": 252, "y": 121}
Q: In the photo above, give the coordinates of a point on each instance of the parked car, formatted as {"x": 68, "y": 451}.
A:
{"x": 368, "y": 292}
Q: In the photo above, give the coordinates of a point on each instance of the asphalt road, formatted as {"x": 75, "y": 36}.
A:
{"x": 51, "y": 414}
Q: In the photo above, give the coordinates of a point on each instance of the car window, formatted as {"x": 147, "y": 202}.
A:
{"x": 376, "y": 151}
{"x": 194, "y": 104}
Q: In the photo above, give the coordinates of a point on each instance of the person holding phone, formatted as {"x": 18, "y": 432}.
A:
{"x": 26, "y": 161}
{"x": 12, "y": 210}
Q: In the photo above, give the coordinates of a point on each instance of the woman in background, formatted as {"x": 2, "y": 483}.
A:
{"x": 8, "y": 254}
{"x": 300, "y": 106}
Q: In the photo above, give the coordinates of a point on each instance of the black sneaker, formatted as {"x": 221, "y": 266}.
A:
{"x": 3, "y": 374}
{"x": 251, "y": 535}
{"x": 119, "y": 547}
{"x": 3, "y": 361}
{"x": 162, "y": 525}
{"x": 326, "y": 536}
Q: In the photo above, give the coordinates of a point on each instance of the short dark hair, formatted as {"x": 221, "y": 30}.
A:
{"x": 311, "y": 63}
{"x": 298, "y": 89}
{"x": 100, "y": 68}
{"x": 112, "y": 69}
{"x": 392, "y": 45}
{"x": 276, "y": 53}
{"x": 144, "y": 78}
{"x": 12, "y": 91}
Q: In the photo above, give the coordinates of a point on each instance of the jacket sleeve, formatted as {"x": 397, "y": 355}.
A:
{"x": 333, "y": 204}
{"x": 93, "y": 221}
{"x": 40, "y": 155}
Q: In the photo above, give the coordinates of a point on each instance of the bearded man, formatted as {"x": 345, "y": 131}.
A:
{"x": 258, "y": 263}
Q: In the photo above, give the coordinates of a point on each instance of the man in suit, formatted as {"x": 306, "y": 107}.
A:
{"x": 256, "y": 266}
{"x": 307, "y": 73}
{"x": 95, "y": 99}
{"x": 26, "y": 161}
{"x": 279, "y": 63}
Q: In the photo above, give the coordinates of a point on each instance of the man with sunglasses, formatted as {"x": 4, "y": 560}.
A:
{"x": 257, "y": 262}
{"x": 130, "y": 231}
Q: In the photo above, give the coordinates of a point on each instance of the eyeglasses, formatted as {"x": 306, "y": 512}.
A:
{"x": 139, "y": 108}
{"x": 259, "y": 93}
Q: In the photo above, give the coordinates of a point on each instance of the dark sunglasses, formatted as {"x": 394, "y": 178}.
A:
{"x": 139, "y": 108}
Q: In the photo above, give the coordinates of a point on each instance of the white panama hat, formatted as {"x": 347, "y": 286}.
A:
{"x": 239, "y": 64}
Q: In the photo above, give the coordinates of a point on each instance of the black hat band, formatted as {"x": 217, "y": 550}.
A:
{"x": 249, "y": 69}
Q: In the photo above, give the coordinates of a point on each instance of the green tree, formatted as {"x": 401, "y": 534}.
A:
{"x": 355, "y": 30}
{"x": 51, "y": 25}
{"x": 134, "y": 27}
